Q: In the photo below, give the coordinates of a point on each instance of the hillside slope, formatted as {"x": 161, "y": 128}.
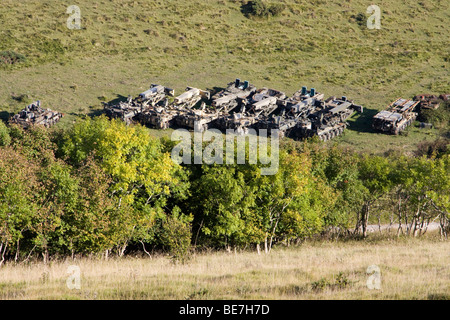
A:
{"x": 124, "y": 46}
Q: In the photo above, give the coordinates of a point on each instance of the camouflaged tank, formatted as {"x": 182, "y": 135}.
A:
{"x": 190, "y": 98}
{"x": 197, "y": 119}
{"x": 33, "y": 114}
{"x": 445, "y": 96}
{"x": 253, "y": 110}
{"x": 399, "y": 115}
{"x": 158, "y": 117}
{"x": 165, "y": 116}
{"x": 228, "y": 99}
{"x": 131, "y": 110}
{"x": 126, "y": 111}
{"x": 292, "y": 111}
{"x": 427, "y": 101}
{"x": 326, "y": 120}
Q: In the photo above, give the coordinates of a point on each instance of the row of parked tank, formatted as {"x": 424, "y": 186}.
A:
{"x": 240, "y": 106}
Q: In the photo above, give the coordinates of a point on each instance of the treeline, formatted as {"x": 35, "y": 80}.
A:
{"x": 101, "y": 187}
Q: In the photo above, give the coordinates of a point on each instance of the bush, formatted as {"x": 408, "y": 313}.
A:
{"x": 359, "y": 18}
{"x": 176, "y": 236}
{"x": 276, "y": 9}
{"x": 257, "y": 8}
{"x": 260, "y": 9}
{"x": 432, "y": 149}
{"x": 440, "y": 118}
{"x": 11, "y": 57}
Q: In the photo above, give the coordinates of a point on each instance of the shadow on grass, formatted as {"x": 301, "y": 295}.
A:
{"x": 95, "y": 111}
{"x": 364, "y": 121}
{"x": 119, "y": 98}
{"x": 5, "y": 116}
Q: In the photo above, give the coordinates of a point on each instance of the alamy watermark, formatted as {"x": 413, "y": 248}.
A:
{"x": 74, "y": 20}
{"x": 374, "y": 21}
{"x": 374, "y": 280}
{"x": 73, "y": 282}
{"x": 237, "y": 150}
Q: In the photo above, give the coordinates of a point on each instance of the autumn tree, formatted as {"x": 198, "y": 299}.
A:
{"x": 374, "y": 173}
{"x": 18, "y": 186}
{"x": 142, "y": 176}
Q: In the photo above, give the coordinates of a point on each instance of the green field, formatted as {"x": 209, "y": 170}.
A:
{"x": 124, "y": 46}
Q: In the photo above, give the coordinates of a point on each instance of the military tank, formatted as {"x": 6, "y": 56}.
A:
{"x": 327, "y": 119}
{"x": 228, "y": 99}
{"x": 156, "y": 94}
{"x": 190, "y": 98}
{"x": 293, "y": 110}
{"x": 427, "y": 101}
{"x": 33, "y": 114}
{"x": 303, "y": 97}
{"x": 445, "y": 96}
{"x": 198, "y": 120}
{"x": 131, "y": 110}
{"x": 159, "y": 117}
{"x": 126, "y": 111}
{"x": 253, "y": 110}
{"x": 179, "y": 111}
{"x": 263, "y": 102}
{"x": 398, "y": 115}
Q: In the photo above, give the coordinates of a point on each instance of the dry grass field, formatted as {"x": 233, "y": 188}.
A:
{"x": 409, "y": 269}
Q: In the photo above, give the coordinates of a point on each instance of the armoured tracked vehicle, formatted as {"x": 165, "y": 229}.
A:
{"x": 159, "y": 117}
{"x": 253, "y": 110}
{"x": 132, "y": 109}
{"x": 303, "y": 98}
{"x": 292, "y": 110}
{"x": 178, "y": 111}
{"x": 263, "y": 102}
{"x": 33, "y": 114}
{"x": 228, "y": 99}
{"x": 396, "y": 117}
{"x": 198, "y": 119}
{"x": 427, "y": 101}
{"x": 126, "y": 111}
{"x": 445, "y": 96}
{"x": 190, "y": 98}
{"x": 327, "y": 119}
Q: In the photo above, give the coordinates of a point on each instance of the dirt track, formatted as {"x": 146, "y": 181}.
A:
{"x": 433, "y": 226}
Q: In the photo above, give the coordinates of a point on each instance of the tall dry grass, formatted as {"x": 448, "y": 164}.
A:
{"x": 410, "y": 269}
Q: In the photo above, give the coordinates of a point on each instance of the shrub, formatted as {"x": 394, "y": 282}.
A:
{"x": 435, "y": 148}
{"x": 176, "y": 236}
{"x": 359, "y": 18}
{"x": 440, "y": 118}
{"x": 276, "y": 9}
{"x": 11, "y": 57}
{"x": 260, "y": 9}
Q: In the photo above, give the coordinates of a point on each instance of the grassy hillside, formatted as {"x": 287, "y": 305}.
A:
{"x": 124, "y": 46}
